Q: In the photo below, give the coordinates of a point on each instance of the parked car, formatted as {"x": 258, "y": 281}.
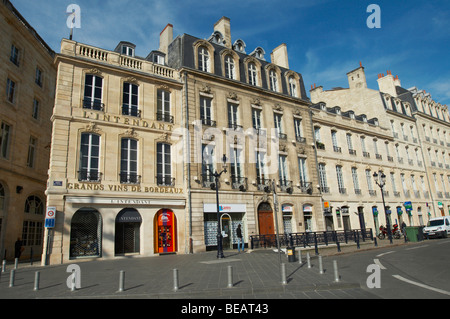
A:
{"x": 437, "y": 227}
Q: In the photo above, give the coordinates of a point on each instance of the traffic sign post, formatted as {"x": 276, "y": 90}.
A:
{"x": 50, "y": 217}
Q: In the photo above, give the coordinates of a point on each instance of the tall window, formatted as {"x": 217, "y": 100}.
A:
{"x": 349, "y": 142}
{"x": 394, "y": 185}
{"x": 230, "y": 67}
{"x": 336, "y": 147}
{"x": 39, "y": 77}
{"x": 164, "y": 165}
{"x": 256, "y": 118}
{"x": 31, "y": 151}
{"x": 278, "y": 120}
{"x": 10, "y": 90}
{"x": 163, "y": 107}
{"x": 260, "y": 167}
{"x": 283, "y": 170}
{"x": 323, "y": 178}
{"x": 35, "y": 111}
{"x": 5, "y": 134}
{"x": 129, "y": 161}
{"x": 2, "y": 200}
{"x": 252, "y": 74}
{"x": 233, "y": 115}
{"x": 130, "y": 99}
{"x": 205, "y": 111}
{"x": 303, "y": 173}
{"x": 273, "y": 80}
{"x": 32, "y": 233}
{"x": 298, "y": 129}
{"x": 236, "y": 173}
{"x": 89, "y": 158}
{"x": 340, "y": 179}
{"x": 369, "y": 180}
{"x": 93, "y": 89}
{"x": 203, "y": 59}
{"x": 207, "y": 164}
{"x": 405, "y": 188}
{"x": 14, "y": 57}
{"x": 293, "y": 86}
{"x": 356, "y": 181}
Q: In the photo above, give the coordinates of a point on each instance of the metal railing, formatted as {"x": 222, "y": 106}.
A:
{"x": 309, "y": 239}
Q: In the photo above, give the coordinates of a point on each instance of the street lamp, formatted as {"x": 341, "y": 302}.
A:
{"x": 219, "y": 231}
{"x": 380, "y": 180}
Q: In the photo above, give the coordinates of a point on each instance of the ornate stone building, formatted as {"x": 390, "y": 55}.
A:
{"x": 255, "y": 112}
{"x": 380, "y": 131}
{"x": 114, "y": 178}
{"x": 27, "y": 82}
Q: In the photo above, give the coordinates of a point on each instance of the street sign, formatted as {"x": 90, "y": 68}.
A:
{"x": 408, "y": 206}
{"x": 50, "y": 217}
{"x": 49, "y": 223}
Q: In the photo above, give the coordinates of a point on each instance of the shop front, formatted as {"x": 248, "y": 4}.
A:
{"x": 231, "y": 215}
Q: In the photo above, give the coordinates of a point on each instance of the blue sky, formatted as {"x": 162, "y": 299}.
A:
{"x": 325, "y": 38}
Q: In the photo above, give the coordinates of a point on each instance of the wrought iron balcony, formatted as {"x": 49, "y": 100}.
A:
{"x": 320, "y": 146}
{"x": 366, "y": 154}
{"x": 240, "y": 183}
{"x": 93, "y": 176}
{"x": 372, "y": 192}
{"x": 358, "y": 191}
{"x": 300, "y": 139}
{"x": 163, "y": 117}
{"x": 337, "y": 149}
{"x": 132, "y": 178}
{"x": 131, "y": 112}
{"x": 378, "y": 156}
{"x": 342, "y": 190}
{"x": 352, "y": 152}
{"x": 165, "y": 181}
{"x": 390, "y": 158}
{"x": 305, "y": 187}
{"x": 208, "y": 181}
{"x": 324, "y": 189}
{"x": 285, "y": 185}
{"x": 235, "y": 126}
{"x": 209, "y": 122}
{"x": 93, "y": 105}
{"x": 263, "y": 184}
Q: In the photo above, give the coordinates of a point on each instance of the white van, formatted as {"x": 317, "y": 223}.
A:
{"x": 437, "y": 227}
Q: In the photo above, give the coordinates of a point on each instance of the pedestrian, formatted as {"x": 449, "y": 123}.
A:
{"x": 18, "y": 248}
{"x": 239, "y": 237}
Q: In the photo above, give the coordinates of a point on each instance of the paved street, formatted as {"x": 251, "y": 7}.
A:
{"x": 256, "y": 275}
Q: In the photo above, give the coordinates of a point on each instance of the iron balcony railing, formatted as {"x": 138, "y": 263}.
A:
{"x": 209, "y": 181}
{"x": 208, "y": 122}
{"x": 126, "y": 110}
{"x": 240, "y": 183}
{"x": 165, "y": 181}
{"x": 89, "y": 176}
{"x": 126, "y": 178}
{"x": 163, "y": 117}
{"x": 93, "y": 105}
{"x": 305, "y": 187}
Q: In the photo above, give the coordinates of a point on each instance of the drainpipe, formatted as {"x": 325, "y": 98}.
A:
{"x": 317, "y": 165}
{"x": 187, "y": 155}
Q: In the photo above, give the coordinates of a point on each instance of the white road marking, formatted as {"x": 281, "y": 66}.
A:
{"x": 377, "y": 262}
{"x": 412, "y": 248}
{"x": 422, "y": 285}
{"x": 389, "y": 252}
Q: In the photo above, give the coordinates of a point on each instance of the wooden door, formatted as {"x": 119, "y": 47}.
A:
{"x": 265, "y": 219}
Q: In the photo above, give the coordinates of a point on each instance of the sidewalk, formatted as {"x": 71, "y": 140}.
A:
{"x": 255, "y": 274}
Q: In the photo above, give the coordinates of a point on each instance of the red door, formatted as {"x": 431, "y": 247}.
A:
{"x": 165, "y": 231}
{"x": 265, "y": 219}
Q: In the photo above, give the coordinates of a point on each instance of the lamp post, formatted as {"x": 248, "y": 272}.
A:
{"x": 217, "y": 175}
{"x": 380, "y": 180}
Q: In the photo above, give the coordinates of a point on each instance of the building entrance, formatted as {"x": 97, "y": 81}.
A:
{"x": 165, "y": 232}
{"x": 265, "y": 219}
{"x": 127, "y": 235}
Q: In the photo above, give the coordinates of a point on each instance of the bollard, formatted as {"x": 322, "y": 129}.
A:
{"x": 283, "y": 274}
{"x": 16, "y": 263}
{"x": 175, "y": 280}
{"x": 308, "y": 259}
{"x": 4, "y": 265}
{"x": 12, "y": 278}
{"x": 375, "y": 241}
{"x": 336, "y": 273}
{"x": 37, "y": 276}
{"x": 230, "y": 277}
{"x": 122, "y": 281}
{"x": 300, "y": 257}
{"x": 338, "y": 245}
{"x": 320, "y": 265}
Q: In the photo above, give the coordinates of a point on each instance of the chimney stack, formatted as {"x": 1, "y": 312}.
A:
{"x": 224, "y": 27}
{"x": 279, "y": 56}
{"x": 165, "y": 38}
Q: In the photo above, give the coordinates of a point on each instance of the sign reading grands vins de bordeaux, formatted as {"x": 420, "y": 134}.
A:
{"x": 125, "y": 188}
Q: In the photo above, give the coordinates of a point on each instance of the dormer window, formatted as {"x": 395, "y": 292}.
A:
{"x": 157, "y": 57}
{"x": 258, "y": 53}
{"x": 239, "y": 46}
{"x": 217, "y": 38}
{"x": 126, "y": 48}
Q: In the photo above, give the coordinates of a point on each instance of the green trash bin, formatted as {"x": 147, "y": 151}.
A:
{"x": 414, "y": 234}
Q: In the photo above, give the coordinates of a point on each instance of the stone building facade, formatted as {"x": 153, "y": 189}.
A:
{"x": 27, "y": 82}
{"x": 114, "y": 179}
{"x": 393, "y": 143}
